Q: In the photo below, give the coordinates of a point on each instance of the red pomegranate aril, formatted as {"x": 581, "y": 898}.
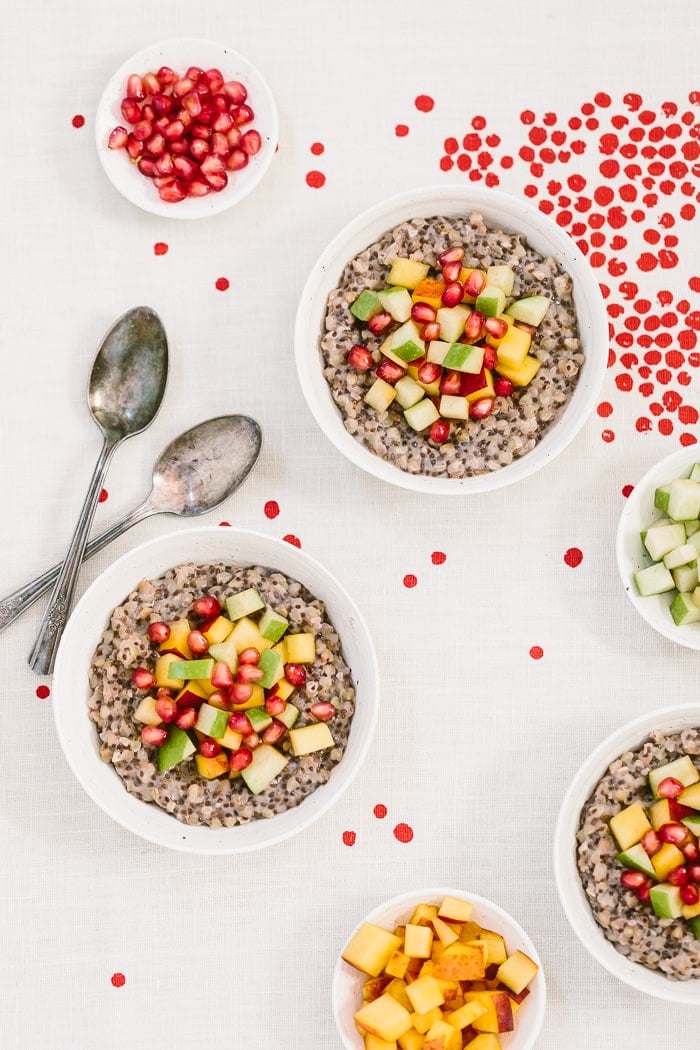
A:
{"x": 429, "y": 372}
{"x": 360, "y": 358}
{"x": 274, "y": 732}
{"x": 218, "y": 182}
{"x": 251, "y": 655}
{"x": 251, "y": 741}
{"x": 131, "y": 110}
{"x": 135, "y": 88}
{"x": 241, "y": 692}
{"x": 117, "y": 138}
{"x": 503, "y": 386}
{"x": 220, "y": 104}
{"x": 219, "y": 144}
{"x": 198, "y": 188}
{"x": 644, "y": 893}
{"x": 186, "y": 718}
{"x": 156, "y": 145}
{"x": 162, "y": 105}
{"x": 233, "y": 137}
{"x": 166, "y": 76}
{"x": 221, "y": 676}
{"x": 142, "y": 130}
{"x": 451, "y": 255}
{"x": 207, "y": 114}
{"x": 676, "y": 811}
{"x": 452, "y": 294}
{"x": 474, "y": 284}
{"x": 249, "y": 673}
{"x": 496, "y": 327}
{"x": 198, "y": 149}
{"x": 142, "y": 678}
{"x": 214, "y": 78}
{"x": 166, "y": 709}
{"x": 473, "y": 327}
{"x": 199, "y": 131}
{"x": 236, "y": 92}
{"x": 221, "y": 699}
{"x": 242, "y": 115}
{"x": 224, "y": 124}
{"x": 423, "y": 313}
{"x": 158, "y": 632}
{"x": 194, "y": 73}
{"x": 182, "y": 87}
{"x": 212, "y": 165}
{"x": 162, "y": 180}
{"x": 161, "y": 124}
{"x": 451, "y": 271}
{"x": 295, "y": 675}
{"x": 172, "y": 192}
{"x": 482, "y": 408}
{"x": 209, "y": 748}
{"x": 389, "y": 371}
{"x": 323, "y": 711}
{"x": 154, "y": 735}
{"x": 673, "y": 833}
{"x": 197, "y": 643}
{"x": 164, "y": 165}
{"x": 240, "y": 723}
{"x": 678, "y": 876}
{"x": 191, "y": 102}
{"x": 185, "y": 168}
{"x": 134, "y": 148}
{"x": 241, "y": 759}
{"x": 236, "y": 160}
{"x": 275, "y": 705}
{"x": 632, "y": 880}
{"x": 380, "y": 323}
{"x": 430, "y": 332}
{"x": 148, "y": 113}
{"x": 490, "y": 357}
{"x": 151, "y": 83}
{"x": 451, "y": 383}
{"x": 669, "y": 788}
{"x": 689, "y": 894}
{"x": 439, "y": 431}
{"x": 207, "y": 607}
{"x": 179, "y": 148}
{"x": 690, "y": 851}
{"x": 174, "y": 130}
{"x": 651, "y": 843}
{"x": 205, "y": 95}
{"x": 251, "y": 142}
{"x": 694, "y": 872}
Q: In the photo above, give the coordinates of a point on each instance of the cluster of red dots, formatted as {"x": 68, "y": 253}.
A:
{"x": 402, "y": 832}
{"x": 473, "y": 154}
{"x": 437, "y": 558}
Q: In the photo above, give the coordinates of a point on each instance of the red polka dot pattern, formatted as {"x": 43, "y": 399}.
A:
{"x": 536, "y": 652}
{"x": 160, "y": 248}
{"x": 42, "y": 691}
{"x": 380, "y": 811}
{"x": 315, "y": 179}
{"x": 424, "y": 103}
{"x": 271, "y": 508}
{"x": 225, "y": 524}
{"x": 222, "y": 284}
{"x": 573, "y": 557}
{"x": 438, "y": 558}
{"x": 627, "y": 490}
{"x": 118, "y": 980}
{"x": 78, "y": 120}
{"x": 403, "y": 832}
{"x": 410, "y": 580}
{"x": 401, "y": 130}
{"x": 349, "y": 838}
{"x": 317, "y": 148}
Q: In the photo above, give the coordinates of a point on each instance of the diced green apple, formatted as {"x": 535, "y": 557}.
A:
{"x": 686, "y": 578}
{"x": 683, "y": 555}
{"x": 491, "y": 301}
{"x": 661, "y": 498}
{"x": 244, "y": 603}
{"x": 267, "y": 764}
{"x": 660, "y": 539}
{"x": 454, "y": 407}
{"x": 684, "y": 610}
{"x": 502, "y": 277}
{"x": 635, "y": 857}
{"x": 397, "y": 302}
{"x": 695, "y": 472}
{"x": 406, "y": 342}
{"x": 408, "y": 392}
{"x": 196, "y": 669}
{"x": 691, "y": 527}
{"x": 452, "y": 320}
{"x": 289, "y": 716}
{"x": 421, "y": 415}
{"x": 463, "y": 357}
{"x": 259, "y": 718}
{"x": 656, "y": 579}
{"x": 272, "y": 666}
{"x": 176, "y": 749}
{"x": 666, "y": 900}
{"x": 530, "y": 310}
{"x": 407, "y": 272}
{"x": 366, "y": 306}
{"x": 226, "y": 652}
{"x": 380, "y": 395}
{"x": 271, "y": 625}
{"x": 684, "y": 500}
{"x": 437, "y": 351}
{"x": 211, "y": 721}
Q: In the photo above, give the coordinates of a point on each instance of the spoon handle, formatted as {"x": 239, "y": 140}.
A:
{"x": 13, "y": 605}
{"x": 43, "y": 654}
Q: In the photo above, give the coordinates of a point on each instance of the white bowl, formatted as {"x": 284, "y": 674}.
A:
{"x": 347, "y": 981}
{"x": 179, "y": 54}
{"x": 639, "y": 513}
{"x": 501, "y": 211}
{"x": 78, "y": 736}
{"x": 571, "y": 893}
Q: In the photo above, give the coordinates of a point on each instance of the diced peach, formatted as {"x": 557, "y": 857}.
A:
{"x": 453, "y": 909}
{"x": 498, "y": 1016}
{"x": 374, "y": 987}
{"x": 411, "y": 1040}
{"x": 445, "y": 933}
{"x": 517, "y": 972}
{"x": 397, "y": 965}
{"x": 373, "y": 1042}
{"x": 422, "y": 914}
{"x": 466, "y": 1015}
{"x": 397, "y": 989}
{"x": 424, "y": 994}
{"x": 422, "y": 1022}
{"x": 369, "y": 950}
{"x": 384, "y": 1017}
{"x": 418, "y": 941}
{"x": 442, "y": 1036}
{"x": 461, "y": 962}
{"x": 497, "y": 952}
{"x": 484, "y": 1042}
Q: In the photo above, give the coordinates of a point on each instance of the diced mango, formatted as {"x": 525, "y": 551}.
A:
{"x": 257, "y": 699}
{"x": 629, "y": 825}
{"x": 659, "y": 813}
{"x": 487, "y": 390}
{"x": 301, "y": 648}
{"x": 397, "y": 989}
{"x": 162, "y": 671}
{"x": 668, "y": 858}
{"x": 491, "y": 339}
{"x": 429, "y": 291}
{"x": 210, "y": 768}
{"x": 520, "y": 376}
{"x": 485, "y": 1042}
{"x": 246, "y": 636}
{"x": 384, "y": 1018}
{"x": 219, "y": 630}
{"x": 179, "y": 631}
{"x": 407, "y": 272}
{"x": 513, "y": 348}
{"x": 230, "y": 739}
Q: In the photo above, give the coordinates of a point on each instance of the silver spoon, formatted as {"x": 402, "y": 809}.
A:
{"x": 126, "y": 388}
{"x": 194, "y": 474}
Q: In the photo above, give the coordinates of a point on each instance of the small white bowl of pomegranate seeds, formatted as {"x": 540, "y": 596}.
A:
{"x": 186, "y": 128}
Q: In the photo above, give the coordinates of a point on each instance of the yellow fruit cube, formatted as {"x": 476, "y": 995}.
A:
{"x": 230, "y": 739}
{"x": 423, "y": 1022}
{"x": 314, "y": 737}
{"x": 191, "y": 687}
{"x": 162, "y": 671}
{"x": 210, "y": 768}
{"x": 427, "y": 969}
{"x": 373, "y": 1042}
{"x": 380, "y": 395}
{"x": 384, "y": 1018}
{"x": 450, "y": 989}
{"x": 466, "y": 1015}
{"x": 281, "y": 649}
{"x": 374, "y": 987}
{"x": 520, "y": 376}
{"x": 146, "y": 712}
{"x": 442, "y": 1036}
{"x": 659, "y": 813}
{"x": 301, "y": 648}
{"x": 397, "y": 965}
{"x": 491, "y": 339}
{"x": 397, "y": 989}
{"x": 370, "y": 948}
{"x": 418, "y": 940}
{"x": 517, "y": 971}
{"x": 461, "y": 962}
{"x": 691, "y": 911}
{"x": 424, "y": 994}
{"x": 429, "y": 291}
{"x": 423, "y": 914}
{"x": 691, "y": 796}
{"x": 257, "y": 699}
{"x": 668, "y": 858}
{"x": 485, "y": 1042}
{"x": 513, "y": 348}
{"x": 408, "y": 273}
{"x": 453, "y": 909}
{"x": 246, "y": 636}
{"x": 179, "y": 631}
{"x": 629, "y": 825}
{"x": 498, "y": 1013}
{"x": 219, "y": 630}
{"x": 284, "y": 689}
{"x": 497, "y": 952}
{"x": 411, "y": 1040}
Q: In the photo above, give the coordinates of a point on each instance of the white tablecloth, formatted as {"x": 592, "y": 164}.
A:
{"x": 509, "y": 658}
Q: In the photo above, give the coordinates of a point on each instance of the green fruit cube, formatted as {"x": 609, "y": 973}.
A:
{"x": 666, "y": 901}
{"x": 271, "y": 625}
{"x": 259, "y": 719}
{"x": 695, "y": 472}
{"x": 197, "y": 669}
{"x": 464, "y": 357}
{"x": 380, "y": 395}
{"x": 660, "y": 539}
{"x": 661, "y": 498}
{"x": 638, "y": 859}
{"x": 421, "y": 415}
{"x": 530, "y": 310}
{"x": 366, "y": 305}
{"x": 272, "y": 666}
{"x": 244, "y": 603}
{"x": 491, "y": 301}
{"x": 211, "y": 721}
{"x": 501, "y": 277}
{"x": 289, "y": 716}
{"x": 176, "y": 749}
{"x": 397, "y": 302}
{"x": 681, "y": 769}
{"x": 406, "y": 342}
{"x": 684, "y": 500}
{"x": 267, "y": 764}
{"x": 452, "y": 406}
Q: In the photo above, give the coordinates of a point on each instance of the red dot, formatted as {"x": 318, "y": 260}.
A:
{"x": 451, "y": 145}
{"x": 627, "y": 490}
{"x": 315, "y": 179}
{"x": 349, "y": 838}
{"x": 446, "y": 163}
{"x": 401, "y": 130}
{"x": 536, "y": 652}
{"x": 687, "y": 414}
{"x": 271, "y": 508}
{"x": 410, "y": 580}
{"x": 78, "y": 120}
{"x": 225, "y": 524}
{"x": 160, "y": 248}
{"x": 222, "y": 284}
{"x": 605, "y": 409}
{"x": 424, "y": 103}
{"x": 527, "y": 116}
{"x": 438, "y": 558}
{"x": 573, "y": 557}
{"x": 317, "y": 148}
{"x": 665, "y": 427}
{"x": 403, "y": 832}
{"x": 608, "y": 436}
{"x": 602, "y": 100}
{"x": 643, "y": 425}
{"x": 479, "y": 123}
{"x": 688, "y": 439}
{"x": 42, "y": 691}
{"x": 103, "y": 496}
{"x": 118, "y": 980}
{"x": 380, "y": 811}
{"x": 294, "y": 540}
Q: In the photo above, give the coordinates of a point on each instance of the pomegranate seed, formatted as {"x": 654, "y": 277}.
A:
{"x": 249, "y": 656}
{"x": 161, "y": 124}
{"x": 389, "y": 371}
{"x": 241, "y": 759}
{"x": 632, "y": 880}
{"x": 212, "y": 165}
{"x": 236, "y": 92}
{"x": 489, "y": 357}
{"x": 678, "y": 876}
{"x": 237, "y": 160}
{"x": 174, "y": 130}
{"x": 451, "y": 383}
{"x": 186, "y": 718}
{"x": 249, "y": 673}
{"x": 676, "y": 811}
{"x": 379, "y": 323}
{"x": 496, "y": 327}
{"x": 224, "y": 124}
{"x": 251, "y": 741}
{"x": 220, "y": 699}
{"x": 172, "y": 192}
{"x": 473, "y": 327}
{"x": 689, "y": 894}
{"x": 430, "y": 332}
{"x": 166, "y": 709}
{"x": 219, "y": 144}
{"x": 482, "y": 408}
{"x": 529, "y": 328}
{"x": 242, "y": 115}
{"x": 182, "y": 87}
{"x": 163, "y": 694}
{"x": 673, "y": 833}
{"x": 220, "y": 104}
{"x": 429, "y": 372}
{"x": 162, "y": 180}
{"x": 217, "y": 182}
{"x": 207, "y": 607}
{"x": 251, "y": 142}
{"x": 503, "y": 386}
{"x": 694, "y": 872}
{"x": 241, "y": 692}
{"x": 166, "y": 76}
{"x": 142, "y": 130}
{"x": 651, "y": 843}
{"x": 295, "y": 675}
{"x": 439, "y": 431}
{"x": 197, "y": 643}
{"x": 185, "y": 168}
{"x": 323, "y": 711}
{"x": 240, "y": 723}
{"x": 198, "y": 149}
{"x": 475, "y": 283}
{"x": 117, "y": 138}
{"x": 155, "y": 735}
{"x": 151, "y": 83}
{"x": 275, "y": 705}
{"x": 199, "y": 131}
{"x": 214, "y": 79}
{"x": 162, "y": 105}
{"x": 209, "y": 748}
{"x": 221, "y": 676}
{"x": 142, "y": 678}
{"x": 669, "y": 788}
{"x": 134, "y": 148}
{"x": 360, "y": 358}
{"x": 207, "y": 115}
{"x": 274, "y": 732}
{"x": 423, "y": 313}
{"x": 452, "y": 294}
{"x": 690, "y": 851}
{"x": 131, "y": 110}
{"x": 644, "y": 893}
{"x": 198, "y": 188}
{"x": 148, "y": 113}
{"x": 451, "y": 271}
{"x": 192, "y": 103}
{"x": 194, "y": 73}
{"x": 451, "y": 255}
{"x": 156, "y": 145}
{"x": 134, "y": 87}
{"x": 164, "y": 165}
{"x": 158, "y": 632}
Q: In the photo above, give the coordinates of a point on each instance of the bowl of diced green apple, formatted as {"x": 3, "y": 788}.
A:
{"x": 658, "y": 547}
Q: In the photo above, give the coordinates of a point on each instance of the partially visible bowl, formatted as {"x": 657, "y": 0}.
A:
{"x": 179, "y": 54}
{"x": 347, "y": 981}
{"x": 78, "y": 735}
{"x": 638, "y": 514}
{"x": 569, "y": 886}
{"x": 499, "y": 211}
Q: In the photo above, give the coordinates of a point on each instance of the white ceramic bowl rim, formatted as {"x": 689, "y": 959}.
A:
{"x": 347, "y": 981}
{"x": 77, "y": 734}
{"x": 569, "y": 886}
{"x": 499, "y": 209}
